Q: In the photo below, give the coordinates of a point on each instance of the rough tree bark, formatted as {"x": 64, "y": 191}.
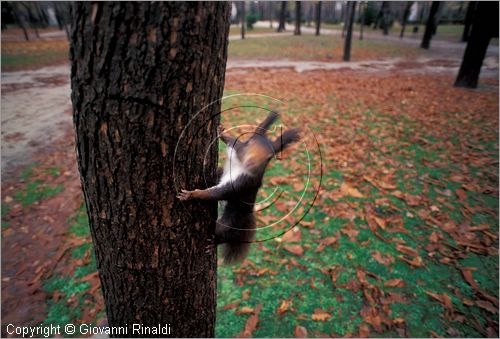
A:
{"x": 406, "y": 13}
{"x": 281, "y": 25}
{"x": 484, "y": 27}
{"x": 469, "y": 15}
{"x": 140, "y": 71}
{"x": 318, "y": 17}
{"x": 243, "y": 17}
{"x": 298, "y": 17}
{"x": 431, "y": 25}
{"x": 351, "y": 11}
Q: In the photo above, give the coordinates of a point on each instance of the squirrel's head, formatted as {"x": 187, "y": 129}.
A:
{"x": 256, "y": 152}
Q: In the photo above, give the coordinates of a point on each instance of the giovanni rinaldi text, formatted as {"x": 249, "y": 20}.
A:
{"x": 87, "y": 329}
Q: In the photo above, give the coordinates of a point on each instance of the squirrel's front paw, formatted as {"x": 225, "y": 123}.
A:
{"x": 184, "y": 195}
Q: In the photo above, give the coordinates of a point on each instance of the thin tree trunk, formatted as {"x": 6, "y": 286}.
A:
{"x": 318, "y": 17}
{"x": 361, "y": 5}
{"x": 430, "y": 26}
{"x": 297, "y": 17}
{"x": 20, "y": 21}
{"x": 484, "y": 27}
{"x": 136, "y": 91}
{"x": 32, "y": 19}
{"x": 406, "y": 13}
{"x": 351, "y": 11}
{"x": 271, "y": 13}
{"x": 469, "y": 16}
{"x": 243, "y": 15}
{"x": 281, "y": 26}
{"x": 385, "y": 17}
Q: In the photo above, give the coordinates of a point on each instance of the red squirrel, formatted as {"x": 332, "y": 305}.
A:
{"x": 239, "y": 182}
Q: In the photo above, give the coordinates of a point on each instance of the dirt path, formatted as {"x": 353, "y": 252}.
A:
{"x": 35, "y": 113}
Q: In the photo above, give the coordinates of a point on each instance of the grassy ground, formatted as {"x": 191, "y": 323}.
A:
{"x": 402, "y": 239}
{"x": 379, "y": 254}
{"x": 19, "y": 55}
{"x": 235, "y": 30}
{"x": 309, "y": 47}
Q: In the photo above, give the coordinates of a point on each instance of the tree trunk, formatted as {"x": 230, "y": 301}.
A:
{"x": 318, "y": 17}
{"x": 281, "y": 26}
{"x": 243, "y": 16}
{"x": 297, "y": 17}
{"x": 469, "y": 16}
{"x": 32, "y": 19}
{"x": 406, "y": 13}
{"x": 140, "y": 72}
{"x": 351, "y": 10}
{"x": 20, "y": 21}
{"x": 385, "y": 17}
{"x": 484, "y": 27}
{"x": 430, "y": 26}
{"x": 362, "y": 20}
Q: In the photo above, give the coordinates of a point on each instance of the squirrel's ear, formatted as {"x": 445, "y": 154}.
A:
{"x": 285, "y": 139}
{"x": 264, "y": 125}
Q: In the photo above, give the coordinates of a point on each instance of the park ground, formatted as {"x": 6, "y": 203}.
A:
{"x": 402, "y": 238}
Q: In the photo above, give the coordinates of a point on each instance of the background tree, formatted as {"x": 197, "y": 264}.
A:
{"x": 134, "y": 89}
{"x": 318, "y": 17}
{"x": 298, "y": 17}
{"x": 430, "y": 27}
{"x": 406, "y": 13}
{"x": 362, "y": 7}
{"x": 351, "y": 10}
{"x": 385, "y": 22}
{"x": 281, "y": 25}
{"x": 484, "y": 27}
{"x": 243, "y": 18}
{"x": 469, "y": 15}
{"x": 20, "y": 18}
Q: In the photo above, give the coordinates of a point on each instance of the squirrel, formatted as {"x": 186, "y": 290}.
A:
{"x": 240, "y": 180}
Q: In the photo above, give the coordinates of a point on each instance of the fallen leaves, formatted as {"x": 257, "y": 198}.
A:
{"x": 394, "y": 283}
{"x": 251, "y": 323}
{"x": 300, "y": 332}
{"x": 348, "y": 190}
{"x": 442, "y": 298}
{"x": 297, "y": 250}
{"x": 320, "y": 315}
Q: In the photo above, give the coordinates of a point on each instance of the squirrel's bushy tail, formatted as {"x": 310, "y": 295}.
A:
{"x": 234, "y": 252}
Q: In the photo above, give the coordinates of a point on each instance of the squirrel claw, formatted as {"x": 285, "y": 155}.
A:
{"x": 184, "y": 195}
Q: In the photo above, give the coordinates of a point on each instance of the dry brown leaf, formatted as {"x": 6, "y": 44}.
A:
{"x": 461, "y": 194}
{"x": 320, "y": 315}
{"x": 381, "y": 222}
{"x": 251, "y": 323}
{"x": 293, "y": 235}
{"x": 347, "y": 189}
{"x": 284, "y": 307}
{"x": 442, "y": 298}
{"x": 407, "y": 250}
{"x": 434, "y": 237}
{"x": 244, "y": 310}
{"x": 294, "y": 249}
{"x": 300, "y": 332}
{"x": 394, "y": 283}
{"x": 487, "y": 306}
{"x": 384, "y": 260}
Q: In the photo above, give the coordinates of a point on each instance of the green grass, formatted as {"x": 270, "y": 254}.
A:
{"x": 36, "y": 191}
{"x": 310, "y": 47}
{"x": 284, "y": 281}
{"x": 73, "y": 296}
